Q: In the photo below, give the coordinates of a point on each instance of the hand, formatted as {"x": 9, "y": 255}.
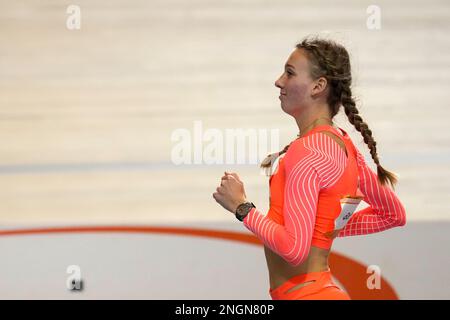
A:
{"x": 230, "y": 194}
{"x": 332, "y": 234}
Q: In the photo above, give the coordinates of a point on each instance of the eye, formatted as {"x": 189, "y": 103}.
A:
{"x": 289, "y": 73}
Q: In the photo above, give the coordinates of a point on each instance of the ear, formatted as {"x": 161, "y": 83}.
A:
{"x": 319, "y": 86}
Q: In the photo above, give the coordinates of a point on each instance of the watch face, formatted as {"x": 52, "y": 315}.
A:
{"x": 244, "y": 209}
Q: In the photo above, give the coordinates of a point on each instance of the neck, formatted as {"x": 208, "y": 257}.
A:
{"x": 309, "y": 121}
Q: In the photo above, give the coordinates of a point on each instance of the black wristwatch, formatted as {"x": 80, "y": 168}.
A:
{"x": 243, "y": 209}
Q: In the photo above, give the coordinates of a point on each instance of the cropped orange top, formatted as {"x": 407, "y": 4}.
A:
{"x": 314, "y": 192}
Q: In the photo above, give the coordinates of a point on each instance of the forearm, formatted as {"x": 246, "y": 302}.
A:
{"x": 367, "y": 221}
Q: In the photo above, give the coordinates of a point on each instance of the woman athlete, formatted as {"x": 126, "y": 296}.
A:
{"x": 317, "y": 180}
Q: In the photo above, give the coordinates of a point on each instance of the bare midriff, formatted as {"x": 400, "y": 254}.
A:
{"x": 280, "y": 270}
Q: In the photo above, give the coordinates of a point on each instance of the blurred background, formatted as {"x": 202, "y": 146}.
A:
{"x": 87, "y": 115}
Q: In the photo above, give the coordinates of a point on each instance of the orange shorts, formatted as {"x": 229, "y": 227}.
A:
{"x": 323, "y": 288}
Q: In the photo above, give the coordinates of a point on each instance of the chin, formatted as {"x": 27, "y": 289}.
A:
{"x": 287, "y": 110}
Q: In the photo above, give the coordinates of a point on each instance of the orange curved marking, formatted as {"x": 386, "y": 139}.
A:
{"x": 226, "y": 235}
{"x": 350, "y": 273}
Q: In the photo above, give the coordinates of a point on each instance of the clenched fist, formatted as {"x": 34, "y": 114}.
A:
{"x": 230, "y": 194}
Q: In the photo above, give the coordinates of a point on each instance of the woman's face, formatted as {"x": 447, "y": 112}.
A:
{"x": 295, "y": 84}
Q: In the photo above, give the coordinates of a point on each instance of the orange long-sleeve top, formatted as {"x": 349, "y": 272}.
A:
{"x": 314, "y": 192}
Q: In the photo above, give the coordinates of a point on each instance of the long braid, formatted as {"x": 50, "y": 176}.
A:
{"x": 352, "y": 113}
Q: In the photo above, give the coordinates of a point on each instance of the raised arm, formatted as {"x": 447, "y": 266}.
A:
{"x": 385, "y": 210}
{"x": 311, "y": 163}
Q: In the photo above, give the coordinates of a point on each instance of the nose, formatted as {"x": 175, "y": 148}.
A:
{"x": 278, "y": 83}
